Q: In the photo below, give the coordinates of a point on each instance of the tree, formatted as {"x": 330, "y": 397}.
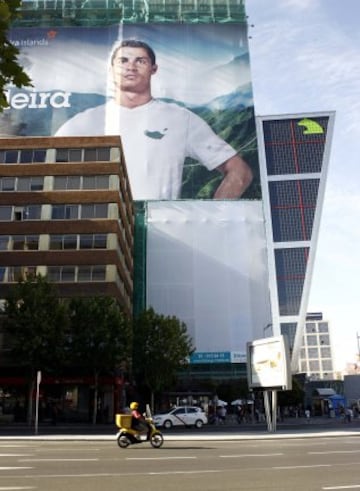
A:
{"x": 161, "y": 348}
{"x": 36, "y": 322}
{"x": 294, "y": 397}
{"x": 100, "y": 337}
{"x": 10, "y": 70}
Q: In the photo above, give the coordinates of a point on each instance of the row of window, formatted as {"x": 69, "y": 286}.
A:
{"x": 36, "y": 183}
{"x": 29, "y": 156}
{"x": 316, "y": 340}
{"x": 56, "y": 242}
{"x": 58, "y": 212}
{"x": 313, "y": 327}
{"x": 314, "y": 353}
{"x": 316, "y": 366}
{"x": 59, "y": 274}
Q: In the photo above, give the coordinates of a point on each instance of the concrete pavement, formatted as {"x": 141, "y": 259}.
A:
{"x": 290, "y": 428}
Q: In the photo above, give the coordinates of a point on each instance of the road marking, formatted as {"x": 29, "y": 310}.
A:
{"x": 15, "y": 455}
{"x": 58, "y": 460}
{"x": 171, "y": 473}
{"x": 353, "y": 486}
{"x": 13, "y": 468}
{"x": 14, "y": 488}
{"x": 301, "y": 466}
{"x": 333, "y": 451}
{"x": 159, "y": 458}
{"x": 250, "y": 455}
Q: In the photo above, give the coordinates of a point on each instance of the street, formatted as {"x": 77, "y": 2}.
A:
{"x": 306, "y": 464}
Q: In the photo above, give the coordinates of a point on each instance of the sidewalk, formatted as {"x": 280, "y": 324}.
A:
{"x": 290, "y": 428}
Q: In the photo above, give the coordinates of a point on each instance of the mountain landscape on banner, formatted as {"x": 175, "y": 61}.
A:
{"x": 231, "y": 116}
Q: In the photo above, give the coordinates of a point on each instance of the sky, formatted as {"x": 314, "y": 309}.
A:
{"x": 305, "y": 57}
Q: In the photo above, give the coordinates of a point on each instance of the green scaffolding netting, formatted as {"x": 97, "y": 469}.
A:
{"x": 107, "y": 12}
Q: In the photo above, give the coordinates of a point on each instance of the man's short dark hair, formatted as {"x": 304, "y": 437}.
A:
{"x": 134, "y": 43}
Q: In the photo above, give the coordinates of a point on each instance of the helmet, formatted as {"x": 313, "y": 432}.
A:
{"x": 134, "y": 405}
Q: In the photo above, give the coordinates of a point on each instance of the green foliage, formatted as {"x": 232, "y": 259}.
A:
{"x": 36, "y": 322}
{"x": 10, "y": 70}
{"x": 293, "y": 397}
{"x": 161, "y": 347}
{"x": 100, "y": 336}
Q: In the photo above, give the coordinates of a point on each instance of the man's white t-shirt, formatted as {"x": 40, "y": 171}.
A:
{"x": 156, "y": 138}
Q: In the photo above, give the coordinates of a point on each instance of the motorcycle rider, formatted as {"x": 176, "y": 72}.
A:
{"x": 138, "y": 422}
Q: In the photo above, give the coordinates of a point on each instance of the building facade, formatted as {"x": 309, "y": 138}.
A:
{"x": 316, "y": 354}
{"x": 288, "y": 156}
{"x": 66, "y": 213}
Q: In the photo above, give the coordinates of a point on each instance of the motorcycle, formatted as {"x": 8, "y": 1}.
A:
{"x": 129, "y": 436}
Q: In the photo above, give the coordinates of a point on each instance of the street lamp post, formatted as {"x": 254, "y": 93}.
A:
{"x": 267, "y": 327}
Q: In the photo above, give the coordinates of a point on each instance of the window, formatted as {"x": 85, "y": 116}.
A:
{"x": 313, "y": 353}
{"x": 86, "y": 241}
{"x": 7, "y": 184}
{"x": 30, "y": 184}
{"x": 96, "y": 154}
{"x": 314, "y": 366}
{"x": 67, "y": 182}
{"x": 310, "y": 327}
{"x": 325, "y": 352}
{"x": 103, "y": 154}
{"x": 11, "y": 156}
{"x": 25, "y": 242}
{"x": 312, "y": 340}
{"x": 61, "y": 273}
{"x": 98, "y": 273}
{"x": 68, "y": 155}
{"x": 181, "y": 410}
{"x": 100, "y": 241}
{"x": 65, "y": 212}
{"x": 70, "y": 241}
{"x": 4, "y": 242}
{"x": 28, "y": 156}
{"x": 327, "y": 365}
{"x": 53, "y": 273}
{"x": 56, "y": 242}
{"x": 5, "y": 212}
{"x": 98, "y": 210}
{"x": 32, "y": 212}
{"x": 68, "y": 273}
{"x": 92, "y": 241}
{"x": 323, "y": 327}
{"x": 324, "y": 339}
{"x": 16, "y": 273}
{"x": 96, "y": 182}
{"x": 91, "y": 273}
{"x": 84, "y": 273}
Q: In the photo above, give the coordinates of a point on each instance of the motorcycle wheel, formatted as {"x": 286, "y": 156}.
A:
{"x": 123, "y": 441}
{"x": 156, "y": 440}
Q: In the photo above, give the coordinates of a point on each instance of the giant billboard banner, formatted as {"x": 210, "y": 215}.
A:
{"x": 182, "y": 102}
{"x": 180, "y": 97}
{"x": 207, "y": 264}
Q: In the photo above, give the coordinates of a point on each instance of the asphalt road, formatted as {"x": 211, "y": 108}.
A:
{"x": 274, "y": 464}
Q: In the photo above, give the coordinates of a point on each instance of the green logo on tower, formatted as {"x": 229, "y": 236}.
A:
{"x": 311, "y": 127}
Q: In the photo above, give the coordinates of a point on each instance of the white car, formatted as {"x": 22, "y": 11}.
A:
{"x": 181, "y": 416}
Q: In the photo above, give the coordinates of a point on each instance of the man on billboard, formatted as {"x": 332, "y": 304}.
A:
{"x": 156, "y": 135}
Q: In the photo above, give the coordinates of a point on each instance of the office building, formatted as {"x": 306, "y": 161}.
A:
{"x": 316, "y": 354}
{"x": 232, "y": 270}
